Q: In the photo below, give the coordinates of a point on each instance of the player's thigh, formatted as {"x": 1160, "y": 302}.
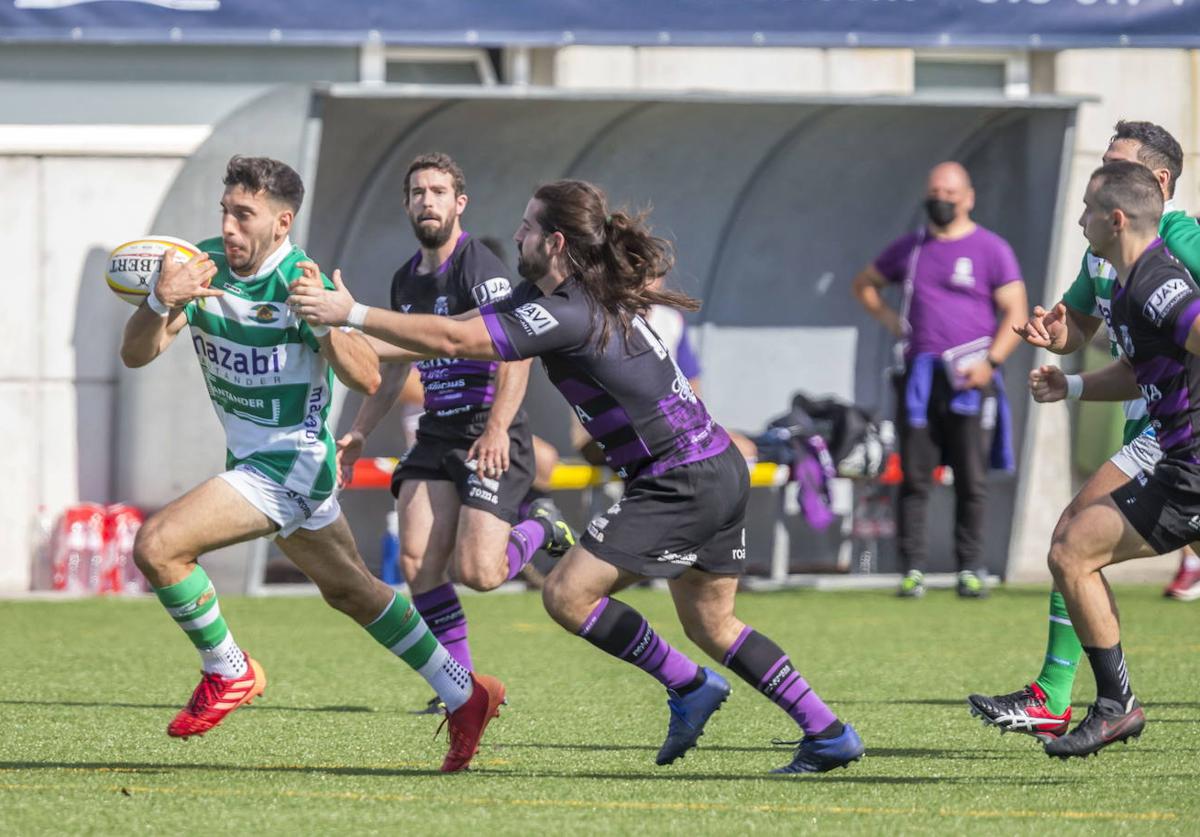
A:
{"x": 576, "y": 583}
{"x": 479, "y": 541}
{"x": 212, "y": 515}
{"x": 704, "y": 603}
{"x": 1098, "y": 536}
{"x": 1107, "y": 479}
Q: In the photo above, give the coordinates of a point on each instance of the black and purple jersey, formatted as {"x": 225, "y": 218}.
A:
{"x": 629, "y": 394}
{"x": 458, "y": 390}
{"x": 1152, "y": 314}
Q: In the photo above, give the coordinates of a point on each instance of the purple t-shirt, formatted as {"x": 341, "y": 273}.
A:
{"x": 953, "y": 282}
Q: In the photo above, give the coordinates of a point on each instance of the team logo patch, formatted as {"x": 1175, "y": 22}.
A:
{"x": 1165, "y": 297}
{"x": 685, "y": 559}
{"x": 535, "y": 319}
{"x": 492, "y": 290}
{"x": 266, "y": 313}
{"x": 740, "y": 554}
{"x": 964, "y": 273}
{"x": 441, "y": 307}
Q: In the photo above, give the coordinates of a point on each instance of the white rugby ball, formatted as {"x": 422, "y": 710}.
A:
{"x": 134, "y": 265}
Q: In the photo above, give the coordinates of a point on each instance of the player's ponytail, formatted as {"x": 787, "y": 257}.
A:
{"x": 612, "y": 253}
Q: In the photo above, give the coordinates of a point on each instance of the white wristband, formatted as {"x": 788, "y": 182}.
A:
{"x": 154, "y": 303}
{"x": 1074, "y": 387}
{"x": 357, "y": 316}
{"x": 318, "y": 330}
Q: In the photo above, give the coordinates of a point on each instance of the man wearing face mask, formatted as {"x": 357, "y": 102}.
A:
{"x": 963, "y": 295}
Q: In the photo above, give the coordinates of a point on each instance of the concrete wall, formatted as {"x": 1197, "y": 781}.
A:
{"x": 59, "y": 217}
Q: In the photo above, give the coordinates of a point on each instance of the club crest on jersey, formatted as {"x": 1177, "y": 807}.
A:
{"x": 534, "y": 319}
{"x": 1165, "y": 297}
{"x": 964, "y": 273}
{"x": 441, "y": 307}
{"x": 266, "y": 313}
{"x": 492, "y": 290}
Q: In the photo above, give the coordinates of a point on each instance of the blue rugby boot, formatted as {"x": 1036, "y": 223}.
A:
{"x": 816, "y": 755}
{"x": 689, "y": 714}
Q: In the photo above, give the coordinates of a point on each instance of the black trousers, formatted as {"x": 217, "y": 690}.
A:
{"x": 961, "y": 442}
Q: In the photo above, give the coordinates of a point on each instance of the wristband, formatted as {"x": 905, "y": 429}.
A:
{"x": 318, "y": 331}
{"x": 1074, "y": 387}
{"x": 357, "y": 316}
{"x": 154, "y": 303}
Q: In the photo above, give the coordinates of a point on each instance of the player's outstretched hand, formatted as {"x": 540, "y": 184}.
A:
{"x": 490, "y": 453}
{"x": 1045, "y": 329}
{"x": 312, "y": 301}
{"x": 1048, "y": 384}
{"x": 178, "y": 284}
{"x": 349, "y": 449}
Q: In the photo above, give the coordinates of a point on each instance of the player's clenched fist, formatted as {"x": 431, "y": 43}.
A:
{"x": 1048, "y": 384}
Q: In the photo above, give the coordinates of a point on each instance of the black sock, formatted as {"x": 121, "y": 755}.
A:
{"x": 696, "y": 683}
{"x": 832, "y": 731}
{"x": 1112, "y": 678}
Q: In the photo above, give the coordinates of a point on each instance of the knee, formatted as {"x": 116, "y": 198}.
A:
{"x": 560, "y": 603}
{"x": 1064, "y": 559}
{"x": 354, "y": 596}
{"x": 150, "y": 552}
{"x": 477, "y": 576}
{"x": 410, "y": 565}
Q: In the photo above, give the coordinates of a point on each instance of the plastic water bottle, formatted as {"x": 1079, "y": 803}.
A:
{"x": 389, "y": 550}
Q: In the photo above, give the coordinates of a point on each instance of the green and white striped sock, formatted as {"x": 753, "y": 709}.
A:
{"x": 193, "y": 605}
{"x": 402, "y": 631}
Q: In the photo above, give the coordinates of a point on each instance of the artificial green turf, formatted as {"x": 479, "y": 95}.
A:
{"x": 89, "y": 686}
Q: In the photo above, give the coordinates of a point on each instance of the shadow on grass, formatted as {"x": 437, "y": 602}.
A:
{"x": 962, "y": 702}
{"x": 166, "y": 767}
{"x": 623, "y": 775}
{"x": 782, "y": 752}
{"x": 91, "y": 704}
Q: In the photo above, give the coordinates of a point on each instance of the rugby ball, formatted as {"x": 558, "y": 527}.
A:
{"x": 133, "y": 266}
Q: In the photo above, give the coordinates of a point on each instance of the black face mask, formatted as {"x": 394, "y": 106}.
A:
{"x": 940, "y": 213}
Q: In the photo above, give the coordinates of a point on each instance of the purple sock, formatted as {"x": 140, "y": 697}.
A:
{"x": 764, "y": 665}
{"x": 443, "y": 613}
{"x": 526, "y": 538}
{"x": 620, "y": 630}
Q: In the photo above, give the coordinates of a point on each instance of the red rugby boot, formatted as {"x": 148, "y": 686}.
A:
{"x": 216, "y": 697}
{"x": 468, "y": 722}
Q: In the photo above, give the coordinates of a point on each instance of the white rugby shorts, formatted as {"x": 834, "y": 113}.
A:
{"x": 289, "y": 510}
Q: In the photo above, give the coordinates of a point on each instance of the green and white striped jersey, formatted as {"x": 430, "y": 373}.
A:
{"x": 265, "y": 375}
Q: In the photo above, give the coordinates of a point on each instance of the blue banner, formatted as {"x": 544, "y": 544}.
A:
{"x": 1023, "y": 24}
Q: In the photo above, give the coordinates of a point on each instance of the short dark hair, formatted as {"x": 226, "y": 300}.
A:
{"x": 443, "y": 163}
{"x": 1131, "y": 188}
{"x": 262, "y": 174}
{"x": 1158, "y": 149}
